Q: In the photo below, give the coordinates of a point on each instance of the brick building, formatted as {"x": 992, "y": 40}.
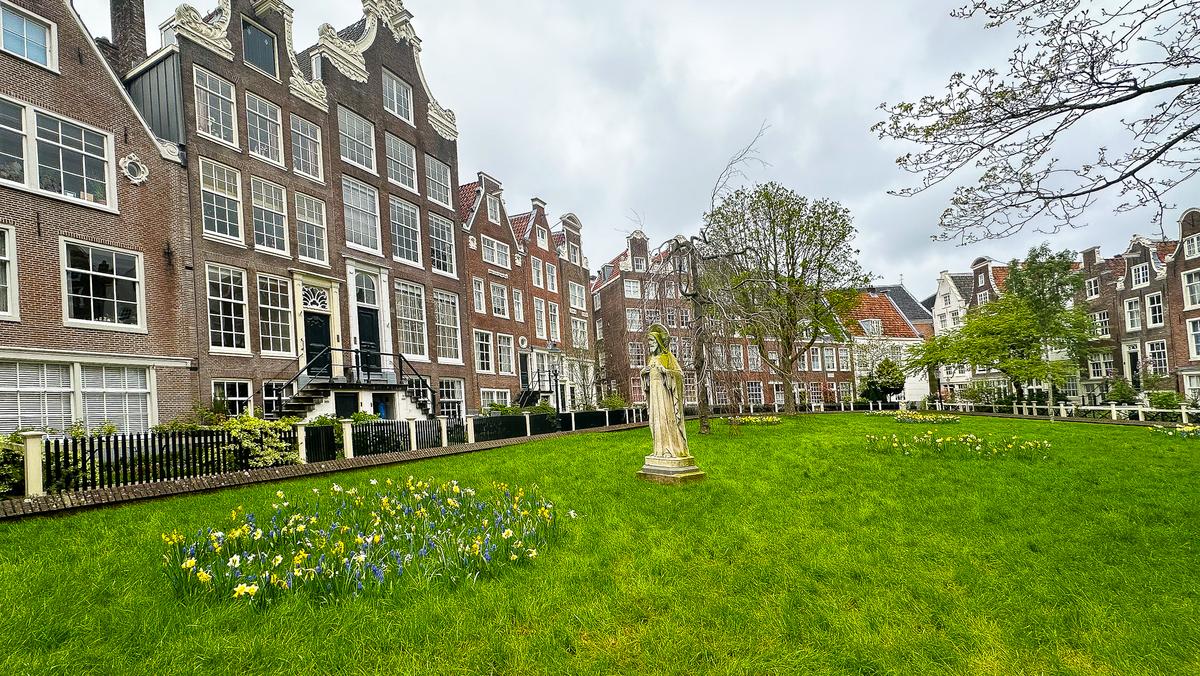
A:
{"x": 97, "y": 311}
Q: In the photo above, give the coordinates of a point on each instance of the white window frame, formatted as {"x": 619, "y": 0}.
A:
{"x": 502, "y": 296}
{"x": 633, "y": 289}
{"x": 1166, "y": 358}
{"x": 1134, "y": 304}
{"x": 1141, "y": 269}
{"x": 291, "y": 311}
{"x": 539, "y": 318}
{"x": 488, "y": 395}
{"x": 478, "y": 295}
{"x": 423, "y": 356}
{"x": 518, "y": 305}
{"x": 51, "y": 37}
{"x": 537, "y": 272}
{"x": 447, "y": 298}
{"x": 639, "y": 264}
{"x": 140, "y": 327}
{"x": 1191, "y": 246}
{"x": 390, "y": 102}
{"x": 476, "y": 334}
{"x": 432, "y": 163}
{"x": 552, "y": 277}
{"x": 1162, "y": 310}
{"x": 576, "y": 322}
{"x": 495, "y": 252}
{"x": 248, "y": 401}
{"x": 1102, "y": 324}
{"x": 554, "y": 317}
{"x": 448, "y": 225}
{"x": 236, "y": 197}
{"x": 245, "y": 303}
{"x": 1092, "y": 288}
{"x": 1188, "y": 302}
{"x": 1193, "y": 330}
{"x": 310, "y": 222}
{"x": 274, "y": 40}
{"x": 355, "y": 118}
{"x": 8, "y": 256}
{"x": 233, "y": 111}
{"x": 278, "y": 122}
{"x": 374, "y": 192}
{"x": 396, "y": 205}
{"x": 493, "y": 209}
{"x": 543, "y": 237}
{"x": 512, "y": 354}
{"x": 577, "y": 296}
{"x": 982, "y": 297}
{"x": 285, "y": 251}
{"x": 303, "y": 133}
{"x": 391, "y": 143}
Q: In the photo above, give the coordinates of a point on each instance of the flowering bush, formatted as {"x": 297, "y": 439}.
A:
{"x": 1178, "y": 431}
{"x": 926, "y": 418}
{"x": 754, "y": 420}
{"x": 350, "y": 542}
{"x": 961, "y": 446}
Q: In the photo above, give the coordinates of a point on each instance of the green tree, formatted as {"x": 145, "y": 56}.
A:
{"x": 886, "y": 379}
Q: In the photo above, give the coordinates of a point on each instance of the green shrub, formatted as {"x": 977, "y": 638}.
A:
{"x": 1121, "y": 392}
{"x": 261, "y": 441}
{"x": 614, "y": 401}
{"x": 1166, "y": 400}
{"x": 12, "y": 462}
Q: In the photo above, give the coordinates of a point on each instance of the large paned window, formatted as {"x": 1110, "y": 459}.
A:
{"x": 496, "y": 252}
{"x": 310, "y": 228}
{"x": 1191, "y": 289}
{"x": 483, "y": 352}
{"x": 27, "y": 37}
{"x": 1154, "y": 310}
{"x": 441, "y": 244}
{"x": 8, "y": 275}
{"x": 445, "y": 314}
{"x": 258, "y": 48}
{"x": 275, "y": 315}
{"x": 362, "y": 214}
{"x": 116, "y": 394}
{"x": 264, "y": 129}
{"x": 226, "y": 309}
{"x": 216, "y": 114}
{"x": 35, "y": 396}
{"x": 234, "y": 394}
{"x": 1133, "y": 314}
{"x": 270, "y": 215}
{"x": 437, "y": 175}
{"x": 505, "y": 363}
{"x": 410, "y": 318}
{"x": 450, "y": 397}
{"x": 577, "y": 295}
{"x": 12, "y": 142}
{"x": 579, "y": 333}
{"x": 633, "y": 289}
{"x": 72, "y": 161}
{"x": 499, "y": 300}
{"x": 477, "y": 295}
{"x": 221, "y": 199}
{"x": 356, "y": 138}
{"x": 1156, "y": 357}
{"x": 397, "y": 97}
{"x": 306, "y": 148}
{"x": 555, "y": 328}
{"x": 401, "y": 162}
{"x": 103, "y": 286}
{"x": 518, "y": 305}
{"x": 539, "y": 317}
{"x": 551, "y": 277}
{"x": 406, "y": 230}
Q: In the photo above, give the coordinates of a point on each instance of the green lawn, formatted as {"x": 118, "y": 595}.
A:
{"x": 801, "y": 553}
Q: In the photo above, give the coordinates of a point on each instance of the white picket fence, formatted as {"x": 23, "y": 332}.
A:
{"x": 1112, "y": 411}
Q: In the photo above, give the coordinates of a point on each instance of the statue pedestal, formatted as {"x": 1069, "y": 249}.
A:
{"x": 667, "y": 470}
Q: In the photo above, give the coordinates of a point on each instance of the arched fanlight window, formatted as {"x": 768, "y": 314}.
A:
{"x": 365, "y": 289}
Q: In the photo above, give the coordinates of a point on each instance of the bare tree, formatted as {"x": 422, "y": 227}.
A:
{"x": 1077, "y": 65}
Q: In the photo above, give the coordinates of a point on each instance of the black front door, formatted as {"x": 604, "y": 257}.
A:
{"x": 316, "y": 341}
{"x": 523, "y": 360}
{"x": 368, "y": 339}
{"x": 1135, "y": 369}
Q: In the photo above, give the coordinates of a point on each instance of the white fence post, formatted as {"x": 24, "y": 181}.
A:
{"x": 1113, "y": 406}
{"x": 412, "y": 434}
{"x": 606, "y": 422}
{"x": 1183, "y": 410}
{"x": 445, "y": 433}
{"x": 301, "y": 443}
{"x": 348, "y": 437}
{"x": 1141, "y": 413}
{"x": 470, "y": 423}
{"x": 528, "y": 428}
{"x": 1062, "y": 409}
{"x": 572, "y": 421}
{"x": 34, "y": 484}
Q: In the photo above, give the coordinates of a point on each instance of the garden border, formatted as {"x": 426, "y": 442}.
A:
{"x": 59, "y": 503}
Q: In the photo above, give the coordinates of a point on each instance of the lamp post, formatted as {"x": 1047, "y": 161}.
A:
{"x": 556, "y": 354}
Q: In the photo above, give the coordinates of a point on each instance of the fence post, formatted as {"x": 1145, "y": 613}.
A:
{"x": 1014, "y": 408}
{"x": 412, "y": 434}
{"x": 1062, "y": 409}
{"x": 445, "y": 432}
{"x": 572, "y": 421}
{"x": 528, "y": 429}
{"x": 301, "y": 443}
{"x": 1113, "y": 405}
{"x": 1141, "y": 413}
{"x": 469, "y": 422}
{"x": 1184, "y": 412}
{"x": 34, "y": 484}
{"x": 348, "y": 437}
{"x": 606, "y": 423}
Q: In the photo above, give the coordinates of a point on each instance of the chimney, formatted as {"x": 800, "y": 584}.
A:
{"x": 128, "y": 33}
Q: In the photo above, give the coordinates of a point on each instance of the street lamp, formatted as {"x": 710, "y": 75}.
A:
{"x": 556, "y": 353}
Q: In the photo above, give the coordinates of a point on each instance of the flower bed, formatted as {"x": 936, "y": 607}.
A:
{"x": 346, "y": 542}
{"x": 914, "y": 417}
{"x": 883, "y": 414}
{"x": 754, "y": 420}
{"x": 962, "y": 446}
{"x": 1178, "y": 431}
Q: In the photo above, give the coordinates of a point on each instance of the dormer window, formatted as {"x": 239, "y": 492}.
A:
{"x": 493, "y": 209}
{"x": 397, "y": 97}
{"x": 1092, "y": 287}
{"x": 1191, "y": 246}
{"x": 980, "y": 279}
{"x": 258, "y": 48}
{"x": 543, "y": 238}
{"x": 872, "y": 327}
{"x": 28, "y": 38}
{"x": 573, "y": 252}
{"x": 1140, "y": 274}
{"x": 639, "y": 264}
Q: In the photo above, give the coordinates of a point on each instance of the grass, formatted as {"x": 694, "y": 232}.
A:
{"x": 801, "y": 553}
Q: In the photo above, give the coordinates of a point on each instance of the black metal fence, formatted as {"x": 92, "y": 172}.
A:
{"x": 125, "y": 459}
{"x": 456, "y": 431}
{"x": 543, "y": 423}
{"x": 320, "y": 443}
{"x": 586, "y": 420}
{"x": 429, "y": 433}
{"x": 618, "y": 416}
{"x": 496, "y": 427}
{"x": 377, "y": 437}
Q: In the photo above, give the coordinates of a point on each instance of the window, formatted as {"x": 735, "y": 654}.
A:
{"x": 672, "y": 318}
{"x": 1133, "y": 314}
{"x": 942, "y": 322}
{"x": 496, "y": 252}
{"x": 310, "y": 228}
{"x": 1140, "y": 274}
{"x": 982, "y": 297}
{"x": 1100, "y": 365}
{"x": 555, "y": 329}
{"x": 596, "y": 300}
{"x": 754, "y": 393}
{"x": 691, "y": 392}
{"x": 686, "y": 350}
{"x": 499, "y": 300}
{"x": 1101, "y": 324}
{"x": 535, "y": 265}
{"x": 12, "y": 142}
{"x": 1156, "y": 357}
{"x": 235, "y": 394}
{"x": 843, "y": 392}
{"x": 543, "y": 238}
{"x": 637, "y": 354}
{"x": 362, "y": 215}
{"x": 270, "y": 215}
{"x": 577, "y": 296}
{"x": 599, "y": 329}
{"x": 1191, "y": 289}
{"x": 275, "y": 315}
{"x": 1154, "y": 310}
{"x": 437, "y": 176}
{"x": 264, "y": 129}
{"x": 306, "y": 148}
{"x": 956, "y": 318}
{"x": 401, "y": 162}
{"x": 815, "y": 355}
{"x": 1192, "y": 387}
{"x": 116, "y": 394}
{"x": 633, "y": 319}
{"x": 551, "y": 277}
{"x": 573, "y": 253}
{"x": 651, "y": 317}
{"x": 406, "y": 231}
{"x": 843, "y": 359}
{"x": 487, "y": 397}
{"x": 505, "y": 362}
{"x": 356, "y": 137}
{"x": 445, "y": 316}
{"x": 1092, "y": 287}
{"x": 518, "y": 305}
{"x": 103, "y": 286}
{"x": 539, "y": 317}
{"x": 410, "y": 317}
{"x": 1191, "y": 247}
{"x": 216, "y": 117}
{"x": 633, "y": 289}
{"x": 720, "y": 395}
{"x": 639, "y": 264}
{"x": 275, "y": 394}
{"x": 397, "y": 97}
{"x": 221, "y": 200}
{"x": 652, "y": 290}
{"x": 258, "y": 48}
{"x": 579, "y": 333}
{"x": 72, "y": 161}
{"x": 478, "y": 293}
{"x": 753, "y": 359}
{"x": 483, "y": 351}
{"x": 736, "y": 362}
{"x": 35, "y": 396}
{"x": 493, "y": 209}
{"x": 27, "y": 37}
{"x": 1194, "y": 340}
{"x": 450, "y": 397}
{"x": 227, "y": 330}
{"x": 441, "y": 237}
{"x": 872, "y": 327}
{"x": 9, "y": 299}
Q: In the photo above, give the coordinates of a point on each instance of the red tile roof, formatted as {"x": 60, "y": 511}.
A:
{"x": 520, "y": 224}
{"x": 1000, "y": 274}
{"x": 1165, "y": 248}
{"x": 879, "y": 306}
{"x": 466, "y": 199}
{"x": 560, "y": 238}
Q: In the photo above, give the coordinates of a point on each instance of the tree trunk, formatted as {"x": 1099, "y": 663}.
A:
{"x": 700, "y": 350}
{"x": 789, "y": 397}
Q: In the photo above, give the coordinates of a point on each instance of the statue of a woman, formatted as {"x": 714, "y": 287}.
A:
{"x": 662, "y": 379}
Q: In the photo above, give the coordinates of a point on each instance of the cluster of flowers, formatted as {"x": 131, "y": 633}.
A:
{"x": 883, "y": 414}
{"x": 754, "y": 420}
{"x": 345, "y": 542}
{"x": 916, "y": 417}
{"x": 1178, "y": 431}
{"x": 963, "y": 446}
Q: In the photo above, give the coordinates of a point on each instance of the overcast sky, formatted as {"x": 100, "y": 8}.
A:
{"x": 607, "y": 109}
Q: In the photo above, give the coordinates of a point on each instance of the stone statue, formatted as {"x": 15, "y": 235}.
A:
{"x": 662, "y": 379}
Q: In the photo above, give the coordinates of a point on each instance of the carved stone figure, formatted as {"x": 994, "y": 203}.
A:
{"x": 662, "y": 379}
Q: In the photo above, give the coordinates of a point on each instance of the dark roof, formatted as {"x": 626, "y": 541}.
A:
{"x": 910, "y": 307}
{"x": 929, "y": 302}
{"x": 964, "y": 282}
{"x": 354, "y": 31}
